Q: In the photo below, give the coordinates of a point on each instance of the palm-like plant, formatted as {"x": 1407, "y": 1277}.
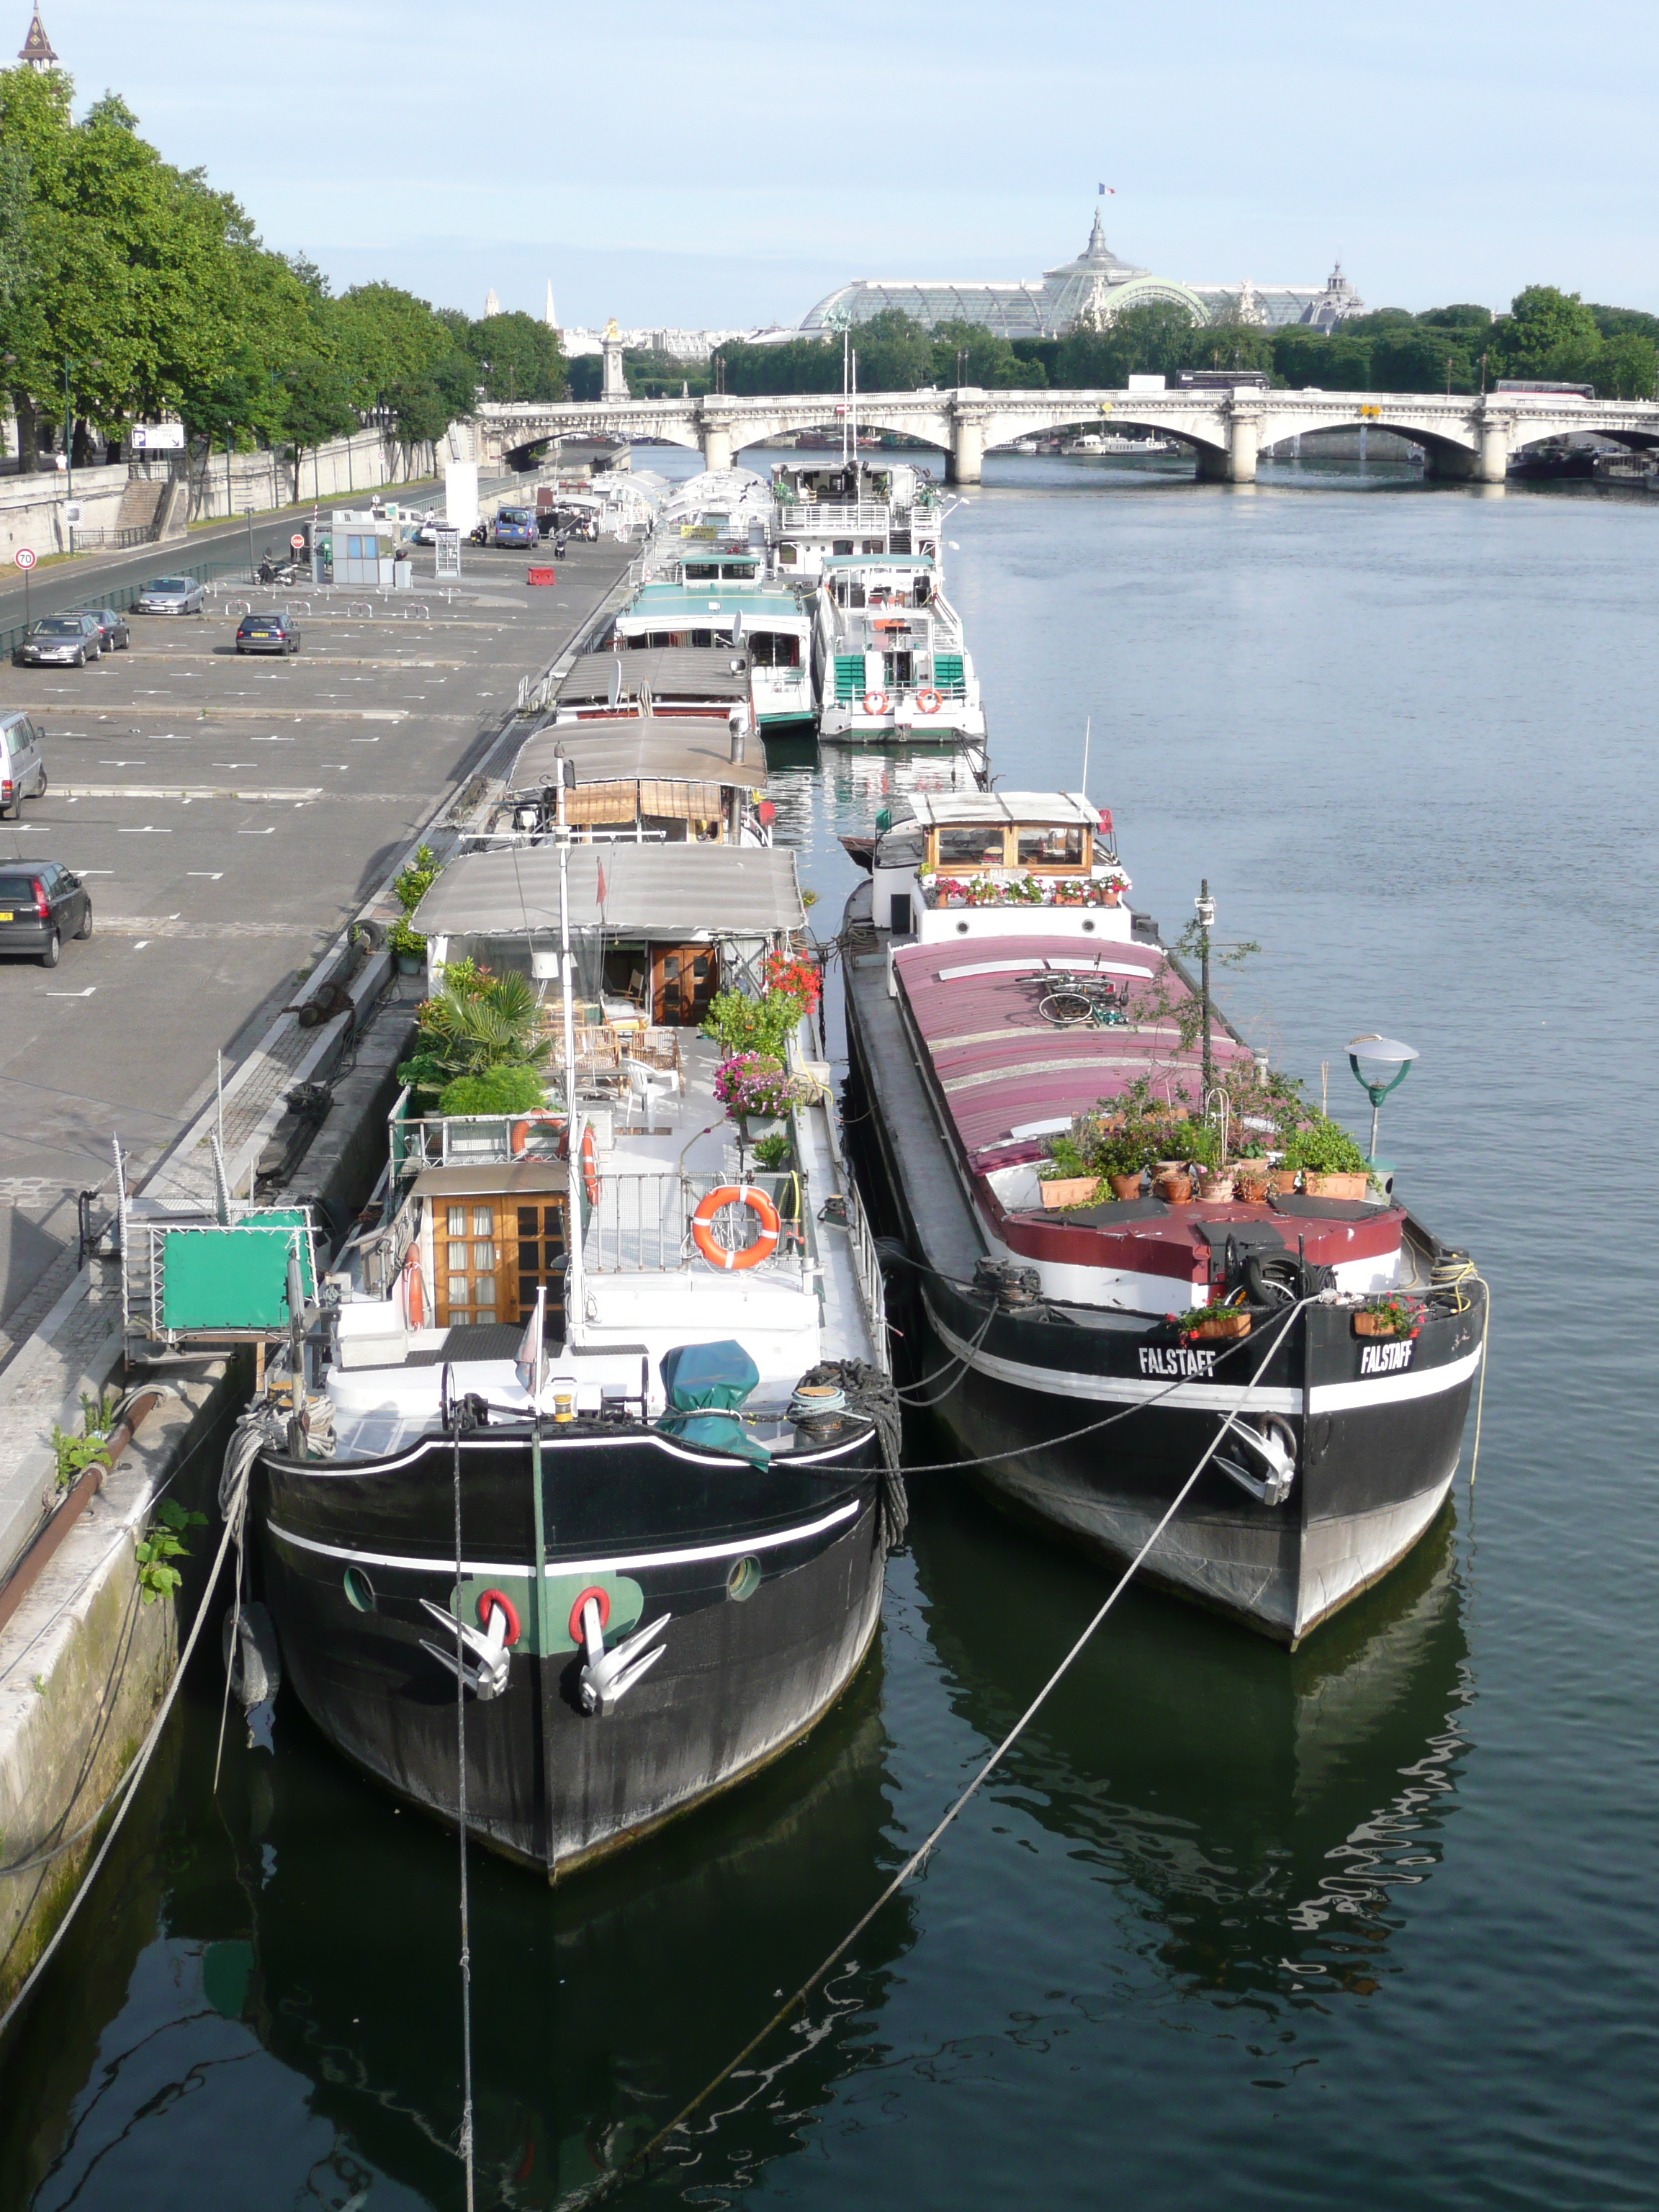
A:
{"x": 478, "y": 1021}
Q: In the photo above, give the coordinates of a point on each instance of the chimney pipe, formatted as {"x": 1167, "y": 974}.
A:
{"x": 736, "y": 746}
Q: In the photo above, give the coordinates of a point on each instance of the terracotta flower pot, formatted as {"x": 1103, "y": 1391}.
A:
{"x": 1111, "y": 898}
{"x": 1231, "y": 1323}
{"x": 1282, "y": 1179}
{"x": 1215, "y": 1185}
{"x": 1336, "y": 1186}
{"x": 1069, "y": 1190}
{"x": 1176, "y": 1188}
{"x": 1375, "y": 1324}
{"x": 1126, "y": 1186}
{"x": 1250, "y": 1189}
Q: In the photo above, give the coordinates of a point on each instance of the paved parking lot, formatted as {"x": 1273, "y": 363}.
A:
{"x": 230, "y": 814}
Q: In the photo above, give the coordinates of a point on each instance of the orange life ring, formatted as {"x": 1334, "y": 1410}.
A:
{"x": 875, "y": 702}
{"x": 719, "y": 1256}
{"x": 590, "y": 1172}
{"x": 414, "y": 1289}
{"x": 928, "y": 702}
{"x": 519, "y": 1135}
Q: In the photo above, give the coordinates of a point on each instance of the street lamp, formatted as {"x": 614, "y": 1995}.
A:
{"x": 1205, "y": 906}
{"x": 1382, "y": 1055}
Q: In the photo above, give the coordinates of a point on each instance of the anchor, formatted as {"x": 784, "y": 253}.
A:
{"x": 607, "y": 1676}
{"x": 1274, "y": 1442}
{"x": 487, "y": 1679}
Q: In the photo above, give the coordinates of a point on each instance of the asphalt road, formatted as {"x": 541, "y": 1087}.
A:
{"x": 316, "y": 770}
{"x": 77, "y": 583}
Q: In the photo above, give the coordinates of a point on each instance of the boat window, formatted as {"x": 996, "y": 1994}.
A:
{"x": 788, "y": 556}
{"x": 483, "y": 1224}
{"x": 1057, "y": 848}
{"x": 972, "y": 845}
{"x": 842, "y": 545}
{"x": 771, "y": 649}
{"x": 457, "y": 1225}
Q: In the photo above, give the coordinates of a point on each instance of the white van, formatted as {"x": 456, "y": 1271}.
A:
{"x": 23, "y": 763}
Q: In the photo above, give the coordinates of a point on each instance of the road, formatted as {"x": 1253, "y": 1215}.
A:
{"x": 307, "y": 778}
{"x": 76, "y": 583}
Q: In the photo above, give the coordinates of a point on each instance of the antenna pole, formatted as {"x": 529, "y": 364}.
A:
{"x": 1088, "y": 723}
{"x": 574, "y": 1202}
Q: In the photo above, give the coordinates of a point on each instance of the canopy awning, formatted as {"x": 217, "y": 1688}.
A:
{"x": 667, "y": 671}
{"x": 632, "y": 751}
{"x": 650, "y": 891}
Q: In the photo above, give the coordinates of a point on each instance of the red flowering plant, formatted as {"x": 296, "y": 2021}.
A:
{"x": 796, "y": 977}
{"x": 1395, "y": 1314}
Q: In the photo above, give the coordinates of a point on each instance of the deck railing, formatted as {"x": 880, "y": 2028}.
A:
{"x": 642, "y": 1223}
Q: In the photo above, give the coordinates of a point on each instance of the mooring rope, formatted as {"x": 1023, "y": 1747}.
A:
{"x": 611, "y": 2182}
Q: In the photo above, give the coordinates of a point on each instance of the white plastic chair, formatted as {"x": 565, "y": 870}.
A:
{"x": 646, "y": 1085}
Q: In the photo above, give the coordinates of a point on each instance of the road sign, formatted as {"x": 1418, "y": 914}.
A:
{"x": 72, "y": 511}
{"x": 25, "y": 556}
{"x": 156, "y": 437}
{"x": 298, "y": 541}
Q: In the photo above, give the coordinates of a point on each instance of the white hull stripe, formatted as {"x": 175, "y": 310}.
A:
{"x": 1211, "y": 1397}
{"x": 624, "y": 1564}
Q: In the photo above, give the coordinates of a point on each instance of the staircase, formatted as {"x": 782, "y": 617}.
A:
{"x": 152, "y": 507}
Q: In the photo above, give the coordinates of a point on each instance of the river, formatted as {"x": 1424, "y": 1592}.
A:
{"x": 1371, "y": 1924}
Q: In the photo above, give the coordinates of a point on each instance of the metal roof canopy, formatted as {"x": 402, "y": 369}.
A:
{"x": 945, "y": 807}
{"x": 653, "y": 890}
{"x": 649, "y": 751}
{"x": 493, "y": 1179}
{"x": 656, "y": 599}
{"x": 670, "y": 672}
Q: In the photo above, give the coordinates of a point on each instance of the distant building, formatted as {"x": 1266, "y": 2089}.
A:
{"x": 492, "y": 305}
{"x": 36, "y": 50}
{"x": 1088, "y": 294}
{"x": 574, "y": 340}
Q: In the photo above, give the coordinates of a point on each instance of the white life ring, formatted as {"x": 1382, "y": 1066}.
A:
{"x": 928, "y": 702}
{"x": 875, "y": 702}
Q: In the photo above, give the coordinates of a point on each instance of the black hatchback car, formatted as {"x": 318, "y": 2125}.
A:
{"x": 266, "y": 634}
{"x": 41, "y": 903}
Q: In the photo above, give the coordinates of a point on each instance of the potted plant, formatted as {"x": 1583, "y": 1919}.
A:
{"x": 1110, "y": 887}
{"x": 1332, "y": 1163}
{"x": 1392, "y": 1314}
{"x": 1200, "y": 1323}
{"x": 407, "y": 947}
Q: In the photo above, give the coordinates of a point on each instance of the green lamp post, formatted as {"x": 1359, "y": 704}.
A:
{"x": 1389, "y": 1062}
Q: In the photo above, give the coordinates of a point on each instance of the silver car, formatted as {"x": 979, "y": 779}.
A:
{"x": 60, "y": 641}
{"x": 170, "y": 595}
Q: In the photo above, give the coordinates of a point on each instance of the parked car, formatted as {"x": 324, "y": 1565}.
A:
{"x": 60, "y": 640}
{"x": 23, "y": 763}
{"x": 112, "y": 633}
{"x": 41, "y": 903}
{"x": 516, "y": 526}
{"x": 266, "y": 634}
{"x": 170, "y": 595}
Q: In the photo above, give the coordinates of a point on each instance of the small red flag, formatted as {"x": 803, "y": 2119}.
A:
{"x": 601, "y": 886}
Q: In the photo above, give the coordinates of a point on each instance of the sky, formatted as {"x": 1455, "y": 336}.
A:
{"x": 727, "y": 166}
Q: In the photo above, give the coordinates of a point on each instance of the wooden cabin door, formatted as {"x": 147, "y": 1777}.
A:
{"x": 682, "y": 980}
{"x": 491, "y": 1255}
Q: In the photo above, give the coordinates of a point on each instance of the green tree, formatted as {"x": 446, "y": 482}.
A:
{"x": 316, "y": 407}
{"x": 1626, "y": 367}
{"x": 1419, "y": 359}
{"x": 518, "y": 358}
{"x": 983, "y": 357}
{"x": 1547, "y": 333}
{"x": 894, "y": 353}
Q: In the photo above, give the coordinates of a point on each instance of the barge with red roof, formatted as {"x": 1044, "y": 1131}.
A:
{"x": 1071, "y": 1361}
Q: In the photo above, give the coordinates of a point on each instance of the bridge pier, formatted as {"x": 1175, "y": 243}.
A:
{"x": 1236, "y": 463}
{"x": 964, "y": 463}
{"x": 716, "y": 445}
{"x": 1492, "y": 463}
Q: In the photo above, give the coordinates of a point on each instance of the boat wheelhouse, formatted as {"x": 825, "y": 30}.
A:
{"x": 822, "y": 509}
{"x": 605, "y": 1446}
{"x": 765, "y": 623}
{"x": 1004, "y": 999}
{"x": 889, "y": 655}
{"x": 723, "y": 506}
{"x": 642, "y": 779}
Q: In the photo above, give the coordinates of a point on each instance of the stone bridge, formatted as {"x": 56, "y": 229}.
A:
{"x": 1471, "y": 438}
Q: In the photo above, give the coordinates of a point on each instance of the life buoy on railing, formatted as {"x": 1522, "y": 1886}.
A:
{"x": 875, "y": 702}
{"x": 721, "y": 1255}
{"x": 414, "y": 1290}
{"x": 928, "y": 702}
{"x": 519, "y": 1135}
{"x": 590, "y": 1171}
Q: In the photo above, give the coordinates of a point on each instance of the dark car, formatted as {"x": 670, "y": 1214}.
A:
{"x": 112, "y": 632}
{"x": 266, "y": 634}
{"x": 65, "y": 640}
{"x": 41, "y": 903}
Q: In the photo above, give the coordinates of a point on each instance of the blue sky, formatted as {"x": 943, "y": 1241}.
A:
{"x": 730, "y": 164}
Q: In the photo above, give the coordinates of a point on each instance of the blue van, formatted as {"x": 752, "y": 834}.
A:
{"x": 516, "y": 526}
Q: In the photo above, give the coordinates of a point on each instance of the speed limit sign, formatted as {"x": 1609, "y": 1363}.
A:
{"x": 24, "y": 556}
{"x": 298, "y": 541}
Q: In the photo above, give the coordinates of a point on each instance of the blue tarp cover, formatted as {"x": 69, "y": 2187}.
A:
{"x": 706, "y": 1383}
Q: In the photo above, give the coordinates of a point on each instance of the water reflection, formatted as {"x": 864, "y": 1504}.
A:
{"x": 1266, "y": 1816}
{"x": 316, "y": 1925}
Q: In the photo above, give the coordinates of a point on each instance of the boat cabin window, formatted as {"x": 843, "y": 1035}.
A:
{"x": 1059, "y": 847}
{"x": 769, "y": 648}
{"x": 788, "y": 556}
{"x": 969, "y": 845}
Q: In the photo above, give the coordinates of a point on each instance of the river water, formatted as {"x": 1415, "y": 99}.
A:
{"x": 1371, "y": 1924}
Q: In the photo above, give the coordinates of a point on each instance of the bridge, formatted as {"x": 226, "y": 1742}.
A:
{"x": 1471, "y": 438}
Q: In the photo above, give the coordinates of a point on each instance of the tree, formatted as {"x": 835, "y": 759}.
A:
{"x": 893, "y": 353}
{"x": 986, "y": 359}
{"x": 316, "y": 407}
{"x": 1626, "y": 367}
{"x": 518, "y": 357}
{"x": 1547, "y": 333}
{"x": 1416, "y": 359}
